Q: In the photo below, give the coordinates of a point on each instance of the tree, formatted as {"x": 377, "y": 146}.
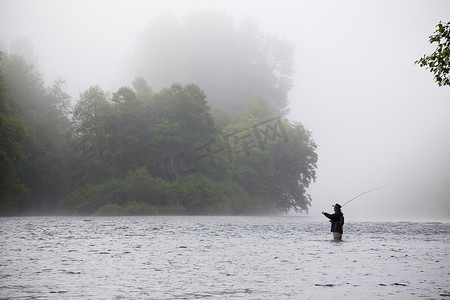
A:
{"x": 87, "y": 111}
{"x": 277, "y": 168}
{"x": 295, "y": 163}
{"x": 42, "y": 169}
{"x": 126, "y": 132}
{"x": 143, "y": 91}
{"x": 59, "y": 99}
{"x": 231, "y": 64}
{"x": 439, "y": 61}
{"x": 12, "y": 134}
{"x": 86, "y": 134}
{"x": 121, "y": 142}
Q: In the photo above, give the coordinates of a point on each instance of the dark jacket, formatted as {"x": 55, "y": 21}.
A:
{"x": 335, "y": 225}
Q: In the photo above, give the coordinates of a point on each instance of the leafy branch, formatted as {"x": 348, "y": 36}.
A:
{"x": 439, "y": 61}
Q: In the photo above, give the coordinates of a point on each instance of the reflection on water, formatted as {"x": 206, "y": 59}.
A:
{"x": 220, "y": 257}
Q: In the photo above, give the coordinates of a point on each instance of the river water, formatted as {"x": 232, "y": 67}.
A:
{"x": 190, "y": 257}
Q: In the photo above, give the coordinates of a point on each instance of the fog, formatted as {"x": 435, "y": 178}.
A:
{"x": 377, "y": 118}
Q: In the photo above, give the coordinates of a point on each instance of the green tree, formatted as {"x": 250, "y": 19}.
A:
{"x": 114, "y": 136}
{"x": 124, "y": 137}
{"x": 180, "y": 122}
{"x": 278, "y": 172}
{"x": 12, "y": 133}
{"x": 42, "y": 169}
{"x": 439, "y": 61}
{"x": 295, "y": 164}
{"x": 221, "y": 116}
{"x": 87, "y": 134}
{"x": 142, "y": 153}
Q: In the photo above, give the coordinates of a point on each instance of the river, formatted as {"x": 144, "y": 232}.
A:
{"x": 206, "y": 257}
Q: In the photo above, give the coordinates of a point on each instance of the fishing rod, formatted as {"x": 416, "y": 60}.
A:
{"x": 383, "y": 186}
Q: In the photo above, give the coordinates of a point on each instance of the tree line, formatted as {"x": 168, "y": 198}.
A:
{"x": 220, "y": 145}
{"x": 136, "y": 151}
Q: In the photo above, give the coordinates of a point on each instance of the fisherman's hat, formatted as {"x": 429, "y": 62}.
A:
{"x": 337, "y": 205}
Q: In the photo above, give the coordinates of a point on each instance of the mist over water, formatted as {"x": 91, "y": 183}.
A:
{"x": 377, "y": 118}
{"x": 221, "y": 257}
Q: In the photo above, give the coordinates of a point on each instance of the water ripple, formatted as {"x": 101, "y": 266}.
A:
{"x": 220, "y": 257}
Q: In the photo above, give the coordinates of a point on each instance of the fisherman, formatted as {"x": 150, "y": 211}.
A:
{"x": 337, "y": 221}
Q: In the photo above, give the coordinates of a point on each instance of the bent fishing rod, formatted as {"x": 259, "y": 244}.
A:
{"x": 383, "y": 186}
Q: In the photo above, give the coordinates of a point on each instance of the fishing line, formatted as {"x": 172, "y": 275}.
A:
{"x": 383, "y": 186}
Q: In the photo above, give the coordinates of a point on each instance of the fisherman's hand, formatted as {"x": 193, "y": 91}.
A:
{"x": 322, "y": 213}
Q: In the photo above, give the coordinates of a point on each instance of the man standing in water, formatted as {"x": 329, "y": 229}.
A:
{"x": 337, "y": 221}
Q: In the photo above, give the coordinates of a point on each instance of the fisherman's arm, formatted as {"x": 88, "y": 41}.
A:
{"x": 329, "y": 216}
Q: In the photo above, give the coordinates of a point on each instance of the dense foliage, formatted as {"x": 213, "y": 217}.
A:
{"x": 162, "y": 152}
{"x": 33, "y": 149}
{"x": 138, "y": 151}
{"x": 12, "y": 134}
{"x": 439, "y": 61}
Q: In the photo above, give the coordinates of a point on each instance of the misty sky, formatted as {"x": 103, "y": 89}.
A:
{"x": 377, "y": 118}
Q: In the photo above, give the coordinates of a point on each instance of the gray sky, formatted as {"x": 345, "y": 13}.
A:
{"x": 377, "y": 118}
